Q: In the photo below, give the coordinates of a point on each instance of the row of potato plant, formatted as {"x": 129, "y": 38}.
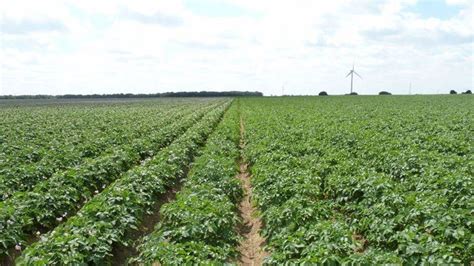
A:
{"x": 363, "y": 180}
{"x": 89, "y": 236}
{"x": 54, "y": 200}
{"x": 199, "y": 227}
{"x": 52, "y": 139}
{"x": 32, "y": 132}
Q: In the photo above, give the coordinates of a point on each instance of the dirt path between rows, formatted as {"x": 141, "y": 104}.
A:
{"x": 121, "y": 253}
{"x": 251, "y": 252}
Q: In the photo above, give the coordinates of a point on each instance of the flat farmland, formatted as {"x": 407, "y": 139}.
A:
{"x": 257, "y": 180}
{"x": 365, "y": 179}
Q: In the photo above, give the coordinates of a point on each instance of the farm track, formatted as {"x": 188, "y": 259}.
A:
{"x": 251, "y": 248}
{"x": 27, "y": 233}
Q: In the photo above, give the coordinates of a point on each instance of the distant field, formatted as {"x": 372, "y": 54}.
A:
{"x": 343, "y": 179}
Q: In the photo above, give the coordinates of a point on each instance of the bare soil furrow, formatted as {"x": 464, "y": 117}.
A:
{"x": 251, "y": 247}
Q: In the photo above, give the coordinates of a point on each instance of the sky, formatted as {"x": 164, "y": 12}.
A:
{"x": 298, "y": 47}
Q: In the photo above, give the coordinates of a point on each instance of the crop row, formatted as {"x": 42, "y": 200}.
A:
{"x": 70, "y": 140}
{"x": 362, "y": 180}
{"x": 199, "y": 227}
{"x": 51, "y": 201}
{"x": 33, "y": 133}
{"x": 89, "y": 236}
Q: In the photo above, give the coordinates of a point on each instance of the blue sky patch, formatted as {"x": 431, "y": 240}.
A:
{"x": 218, "y": 8}
{"x": 434, "y": 9}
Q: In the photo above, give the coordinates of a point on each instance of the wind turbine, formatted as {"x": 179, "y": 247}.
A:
{"x": 283, "y": 88}
{"x": 351, "y": 73}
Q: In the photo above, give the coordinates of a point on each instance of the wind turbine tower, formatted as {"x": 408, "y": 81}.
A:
{"x": 283, "y": 88}
{"x": 351, "y": 73}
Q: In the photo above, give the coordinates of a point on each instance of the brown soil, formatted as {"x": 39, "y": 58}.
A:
{"x": 363, "y": 243}
{"x": 251, "y": 251}
{"x": 13, "y": 254}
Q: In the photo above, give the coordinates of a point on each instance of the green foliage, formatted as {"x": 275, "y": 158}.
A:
{"x": 363, "y": 180}
{"x": 338, "y": 180}
{"x": 199, "y": 226}
{"x": 49, "y": 202}
{"x": 38, "y": 141}
{"x": 88, "y": 236}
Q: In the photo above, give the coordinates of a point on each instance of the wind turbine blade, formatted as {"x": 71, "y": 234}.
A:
{"x": 357, "y": 74}
{"x": 350, "y": 72}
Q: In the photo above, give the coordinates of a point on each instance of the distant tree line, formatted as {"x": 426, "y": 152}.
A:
{"x": 324, "y": 93}
{"x": 466, "y": 92}
{"x": 141, "y": 95}
{"x": 27, "y": 96}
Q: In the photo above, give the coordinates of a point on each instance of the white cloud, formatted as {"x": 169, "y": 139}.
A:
{"x": 87, "y": 46}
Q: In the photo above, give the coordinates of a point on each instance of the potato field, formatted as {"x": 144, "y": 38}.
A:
{"x": 257, "y": 180}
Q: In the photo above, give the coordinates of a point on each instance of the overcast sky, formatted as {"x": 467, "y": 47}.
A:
{"x": 94, "y": 46}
